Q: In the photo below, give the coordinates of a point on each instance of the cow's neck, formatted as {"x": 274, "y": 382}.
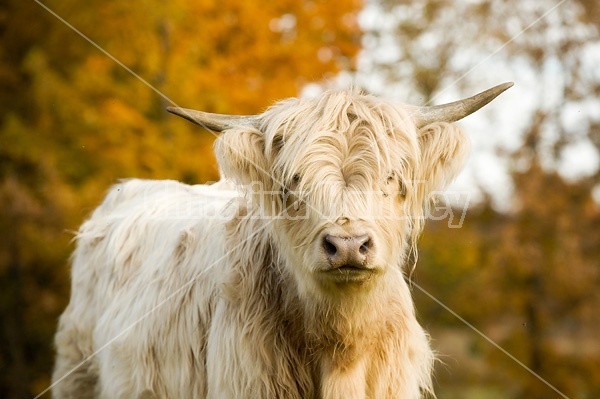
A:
{"x": 342, "y": 330}
{"x": 344, "y": 342}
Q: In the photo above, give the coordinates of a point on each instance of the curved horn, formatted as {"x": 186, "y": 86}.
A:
{"x": 457, "y": 110}
{"x": 215, "y": 122}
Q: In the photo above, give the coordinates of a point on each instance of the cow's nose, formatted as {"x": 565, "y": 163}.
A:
{"x": 347, "y": 251}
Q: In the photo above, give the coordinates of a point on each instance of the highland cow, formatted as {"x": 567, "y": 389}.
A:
{"x": 286, "y": 280}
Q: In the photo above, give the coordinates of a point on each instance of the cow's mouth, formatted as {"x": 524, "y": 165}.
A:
{"x": 349, "y": 274}
{"x": 351, "y": 269}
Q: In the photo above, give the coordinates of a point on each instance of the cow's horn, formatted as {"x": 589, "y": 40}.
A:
{"x": 457, "y": 110}
{"x": 216, "y": 122}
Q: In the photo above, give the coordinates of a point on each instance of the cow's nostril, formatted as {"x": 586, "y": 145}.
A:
{"x": 365, "y": 244}
{"x": 364, "y": 248}
{"x": 329, "y": 247}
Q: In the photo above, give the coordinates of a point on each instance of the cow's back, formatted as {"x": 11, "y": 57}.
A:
{"x": 143, "y": 282}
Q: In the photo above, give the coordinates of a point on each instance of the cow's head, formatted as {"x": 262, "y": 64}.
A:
{"x": 344, "y": 178}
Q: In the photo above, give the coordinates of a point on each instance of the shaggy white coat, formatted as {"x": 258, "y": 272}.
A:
{"x": 214, "y": 292}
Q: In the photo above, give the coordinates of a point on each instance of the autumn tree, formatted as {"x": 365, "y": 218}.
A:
{"x": 528, "y": 279}
{"x": 430, "y": 50}
{"x": 547, "y": 266}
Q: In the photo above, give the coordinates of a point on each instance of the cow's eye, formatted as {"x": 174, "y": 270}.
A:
{"x": 391, "y": 177}
{"x": 290, "y": 185}
{"x": 402, "y": 188}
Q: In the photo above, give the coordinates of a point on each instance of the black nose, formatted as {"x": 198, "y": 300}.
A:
{"x": 347, "y": 251}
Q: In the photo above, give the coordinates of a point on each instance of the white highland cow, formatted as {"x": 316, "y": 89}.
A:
{"x": 285, "y": 280}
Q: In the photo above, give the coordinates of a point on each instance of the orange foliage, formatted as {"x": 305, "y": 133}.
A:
{"x": 529, "y": 280}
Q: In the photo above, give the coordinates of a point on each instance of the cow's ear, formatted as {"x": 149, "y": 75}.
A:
{"x": 241, "y": 155}
{"x": 444, "y": 149}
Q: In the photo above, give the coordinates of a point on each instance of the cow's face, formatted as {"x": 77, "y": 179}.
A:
{"x": 343, "y": 181}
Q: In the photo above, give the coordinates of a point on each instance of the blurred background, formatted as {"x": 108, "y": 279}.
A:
{"x": 523, "y": 267}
